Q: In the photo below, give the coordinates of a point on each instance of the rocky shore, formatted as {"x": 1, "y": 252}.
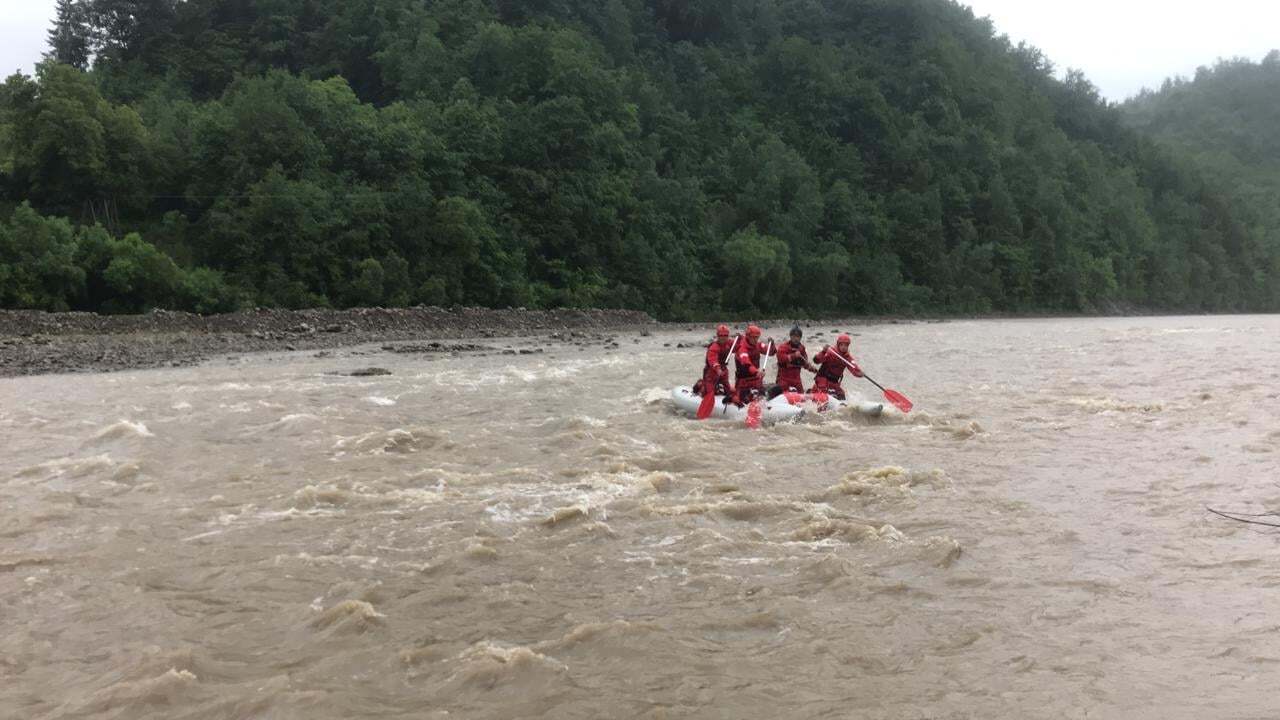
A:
{"x": 34, "y": 343}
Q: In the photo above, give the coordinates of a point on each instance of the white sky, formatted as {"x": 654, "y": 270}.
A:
{"x": 24, "y": 26}
{"x": 1121, "y": 45}
{"x": 1125, "y": 45}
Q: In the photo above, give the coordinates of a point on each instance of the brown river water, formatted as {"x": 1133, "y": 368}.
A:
{"x": 541, "y": 536}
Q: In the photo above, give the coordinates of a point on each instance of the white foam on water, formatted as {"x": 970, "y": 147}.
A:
{"x": 891, "y": 534}
{"x": 382, "y": 401}
{"x": 503, "y": 513}
{"x": 394, "y": 440}
{"x": 294, "y": 513}
{"x": 293, "y": 422}
{"x": 349, "y": 616}
{"x": 1184, "y": 331}
{"x": 367, "y": 562}
{"x": 550, "y": 502}
{"x": 485, "y": 666}
{"x": 573, "y": 422}
{"x": 632, "y": 556}
{"x": 68, "y": 467}
{"x": 123, "y": 428}
{"x": 645, "y": 445}
{"x": 416, "y": 497}
{"x": 459, "y": 379}
{"x": 651, "y": 395}
{"x": 544, "y": 370}
{"x": 1109, "y": 404}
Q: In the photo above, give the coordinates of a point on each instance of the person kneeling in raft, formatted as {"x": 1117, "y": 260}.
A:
{"x": 749, "y": 380}
{"x": 832, "y": 363}
{"x": 715, "y": 373}
{"x": 792, "y": 357}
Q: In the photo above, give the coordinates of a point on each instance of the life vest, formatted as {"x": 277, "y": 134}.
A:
{"x": 789, "y": 374}
{"x": 717, "y": 354}
{"x": 832, "y": 368}
{"x": 753, "y": 352}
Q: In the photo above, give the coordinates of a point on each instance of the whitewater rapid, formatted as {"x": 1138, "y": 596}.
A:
{"x": 510, "y": 536}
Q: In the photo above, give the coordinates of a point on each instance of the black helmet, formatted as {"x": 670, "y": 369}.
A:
{"x": 797, "y": 331}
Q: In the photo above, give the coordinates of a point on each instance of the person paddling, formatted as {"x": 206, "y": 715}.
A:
{"x": 792, "y": 358}
{"x": 715, "y": 371}
{"x": 749, "y": 381}
{"x": 832, "y": 362}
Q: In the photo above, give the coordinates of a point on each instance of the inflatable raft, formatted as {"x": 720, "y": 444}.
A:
{"x": 787, "y": 406}
{"x": 823, "y": 403}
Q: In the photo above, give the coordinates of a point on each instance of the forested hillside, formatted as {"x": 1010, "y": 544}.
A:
{"x": 1227, "y": 120}
{"x": 681, "y": 157}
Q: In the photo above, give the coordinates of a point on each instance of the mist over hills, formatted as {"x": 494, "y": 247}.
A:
{"x": 1225, "y": 120}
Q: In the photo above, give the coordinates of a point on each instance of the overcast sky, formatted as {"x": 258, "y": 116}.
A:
{"x": 1121, "y": 45}
{"x": 23, "y": 27}
{"x": 1125, "y": 45}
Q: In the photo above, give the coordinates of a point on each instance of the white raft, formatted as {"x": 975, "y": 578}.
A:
{"x": 832, "y": 405}
{"x": 788, "y": 406}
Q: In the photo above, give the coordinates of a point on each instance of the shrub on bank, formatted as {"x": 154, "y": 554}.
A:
{"x": 46, "y": 263}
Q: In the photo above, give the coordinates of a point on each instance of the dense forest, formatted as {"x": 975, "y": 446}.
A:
{"x": 684, "y": 157}
{"x": 1227, "y": 121}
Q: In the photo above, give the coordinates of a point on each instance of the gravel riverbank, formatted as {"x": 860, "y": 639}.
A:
{"x": 35, "y": 343}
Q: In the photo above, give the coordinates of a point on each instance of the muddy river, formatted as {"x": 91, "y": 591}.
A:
{"x": 542, "y": 536}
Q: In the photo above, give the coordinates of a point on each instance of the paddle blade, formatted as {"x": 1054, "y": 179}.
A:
{"x": 899, "y": 400}
{"x": 707, "y": 405}
{"x": 754, "y": 411}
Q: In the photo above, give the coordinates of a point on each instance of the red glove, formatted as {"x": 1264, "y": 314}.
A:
{"x": 857, "y": 371}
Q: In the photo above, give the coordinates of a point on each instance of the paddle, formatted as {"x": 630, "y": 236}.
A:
{"x": 756, "y": 409}
{"x": 899, "y": 400}
{"x": 709, "y": 395}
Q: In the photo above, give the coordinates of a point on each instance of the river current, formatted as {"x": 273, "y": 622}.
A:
{"x": 542, "y": 536}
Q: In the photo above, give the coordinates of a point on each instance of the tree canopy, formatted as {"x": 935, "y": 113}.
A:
{"x": 1224, "y": 120}
{"x": 681, "y": 157}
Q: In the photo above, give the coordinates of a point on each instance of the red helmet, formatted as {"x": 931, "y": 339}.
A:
{"x": 753, "y": 330}
{"x": 843, "y": 340}
{"x": 722, "y": 331}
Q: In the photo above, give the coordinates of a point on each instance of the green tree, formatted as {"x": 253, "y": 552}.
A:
{"x": 758, "y": 269}
{"x": 687, "y": 158}
{"x": 37, "y": 262}
{"x": 72, "y": 152}
{"x": 69, "y": 37}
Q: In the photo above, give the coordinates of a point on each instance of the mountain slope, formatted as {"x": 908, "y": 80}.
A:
{"x": 685, "y": 158}
{"x": 1224, "y": 119}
